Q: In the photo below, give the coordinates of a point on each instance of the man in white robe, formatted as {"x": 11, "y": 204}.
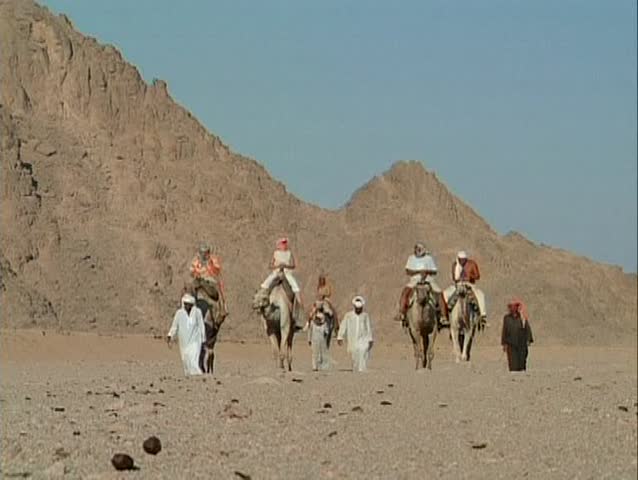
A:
{"x": 356, "y": 329}
{"x": 188, "y": 327}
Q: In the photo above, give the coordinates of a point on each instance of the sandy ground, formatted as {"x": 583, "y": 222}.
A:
{"x": 69, "y": 402}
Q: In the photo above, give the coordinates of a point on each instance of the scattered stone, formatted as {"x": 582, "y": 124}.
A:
{"x": 58, "y": 409}
{"x": 158, "y": 404}
{"x": 390, "y": 385}
{"x": 442, "y": 404}
{"x": 61, "y": 453}
{"x": 385, "y": 402}
{"x": 327, "y": 405}
{"x": 297, "y": 380}
{"x": 380, "y": 392}
{"x": 623, "y": 408}
{"x": 152, "y": 445}
{"x": 578, "y": 379}
{"x": 115, "y": 395}
{"x": 27, "y": 398}
{"x": 57, "y": 470}
{"x": 357, "y": 409}
{"x": 76, "y": 433}
{"x": 332, "y": 434}
{"x": 234, "y": 400}
{"x": 243, "y": 476}
{"x": 122, "y": 461}
{"x": 479, "y": 445}
{"x": 18, "y": 475}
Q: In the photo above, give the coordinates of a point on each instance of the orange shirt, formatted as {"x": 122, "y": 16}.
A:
{"x": 212, "y": 268}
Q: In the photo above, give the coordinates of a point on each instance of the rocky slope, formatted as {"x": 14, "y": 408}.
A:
{"x": 108, "y": 186}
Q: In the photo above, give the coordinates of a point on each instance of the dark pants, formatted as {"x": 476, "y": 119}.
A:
{"x": 517, "y": 357}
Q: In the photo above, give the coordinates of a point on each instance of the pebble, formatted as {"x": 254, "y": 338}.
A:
{"x": 122, "y": 461}
{"x": 152, "y": 445}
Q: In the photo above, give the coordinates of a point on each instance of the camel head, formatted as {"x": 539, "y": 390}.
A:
{"x": 261, "y": 299}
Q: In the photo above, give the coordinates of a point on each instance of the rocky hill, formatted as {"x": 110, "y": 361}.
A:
{"x": 108, "y": 187}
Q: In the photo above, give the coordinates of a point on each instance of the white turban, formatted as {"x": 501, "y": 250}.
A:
{"x": 188, "y": 298}
{"x": 358, "y": 301}
{"x": 461, "y": 255}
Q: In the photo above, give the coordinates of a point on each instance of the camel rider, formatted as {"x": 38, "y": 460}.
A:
{"x": 324, "y": 292}
{"x": 465, "y": 270}
{"x": 420, "y": 265}
{"x": 205, "y": 266}
{"x": 282, "y": 259}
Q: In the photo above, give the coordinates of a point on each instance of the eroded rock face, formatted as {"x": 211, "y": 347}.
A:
{"x": 108, "y": 186}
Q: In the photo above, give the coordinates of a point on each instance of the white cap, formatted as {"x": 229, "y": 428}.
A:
{"x": 461, "y": 255}
{"x": 188, "y": 298}
{"x": 358, "y": 301}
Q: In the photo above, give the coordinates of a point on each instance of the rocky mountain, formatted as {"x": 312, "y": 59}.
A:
{"x": 108, "y": 187}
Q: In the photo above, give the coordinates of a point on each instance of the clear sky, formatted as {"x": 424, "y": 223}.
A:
{"x": 525, "y": 109}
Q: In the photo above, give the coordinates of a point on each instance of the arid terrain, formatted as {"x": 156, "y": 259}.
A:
{"x": 108, "y": 186}
{"x": 69, "y": 402}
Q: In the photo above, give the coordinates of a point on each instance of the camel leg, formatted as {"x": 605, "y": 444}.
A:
{"x": 211, "y": 361}
{"x": 424, "y": 350}
{"x": 289, "y": 353}
{"x": 456, "y": 348}
{"x": 467, "y": 338}
{"x": 430, "y": 350}
{"x": 415, "y": 345}
{"x": 275, "y": 348}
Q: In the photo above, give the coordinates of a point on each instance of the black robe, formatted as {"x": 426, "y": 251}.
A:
{"x": 516, "y": 337}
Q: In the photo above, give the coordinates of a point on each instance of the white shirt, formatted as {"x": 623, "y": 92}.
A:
{"x": 282, "y": 257}
{"x": 421, "y": 264}
{"x": 189, "y": 329}
{"x": 357, "y": 330}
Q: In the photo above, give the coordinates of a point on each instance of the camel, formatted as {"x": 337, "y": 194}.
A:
{"x": 277, "y": 309}
{"x": 208, "y": 301}
{"x": 464, "y": 322}
{"x": 422, "y": 325}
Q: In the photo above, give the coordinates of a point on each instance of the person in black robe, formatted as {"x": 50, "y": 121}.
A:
{"x": 516, "y": 336}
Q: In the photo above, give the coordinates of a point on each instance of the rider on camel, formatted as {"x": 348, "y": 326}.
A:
{"x": 420, "y": 266}
{"x": 207, "y": 267}
{"x": 466, "y": 271}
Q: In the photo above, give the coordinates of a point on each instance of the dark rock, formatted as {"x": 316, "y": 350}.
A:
{"x": 122, "y": 461}
{"x": 243, "y": 476}
{"x": 332, "y": 434}
{"x": 58, "y": 409}
{"x": 327, "y": 405}
{"x": 76, "y": 433}
{"x": 623, "y": 408}
{"x": 357, "y": 409}
{"x": 578, "y": 379}
{"x": 152, "y": 445}
{"x": 297, "y": 380}
{"x": 385, "y": 402}
{"x": 479, "y": 445}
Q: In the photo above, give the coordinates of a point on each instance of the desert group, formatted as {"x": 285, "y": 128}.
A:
{"x": 424, "y": 309}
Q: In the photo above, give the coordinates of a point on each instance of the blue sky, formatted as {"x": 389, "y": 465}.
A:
{"x": 526, "y": 110}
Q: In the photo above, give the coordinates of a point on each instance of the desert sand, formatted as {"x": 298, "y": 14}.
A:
{"x": 71, "y": 401}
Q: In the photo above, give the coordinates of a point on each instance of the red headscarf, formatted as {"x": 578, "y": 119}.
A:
{"x": 282, "y": 243}
{"x": 517, "y": 305}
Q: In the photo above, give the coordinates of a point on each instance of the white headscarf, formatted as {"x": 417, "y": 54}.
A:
{"x": 358, "y": 301}
{"x": 188, "y": 298}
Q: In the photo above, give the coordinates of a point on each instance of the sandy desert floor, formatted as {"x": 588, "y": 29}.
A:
{"x": 69, "y": 402}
